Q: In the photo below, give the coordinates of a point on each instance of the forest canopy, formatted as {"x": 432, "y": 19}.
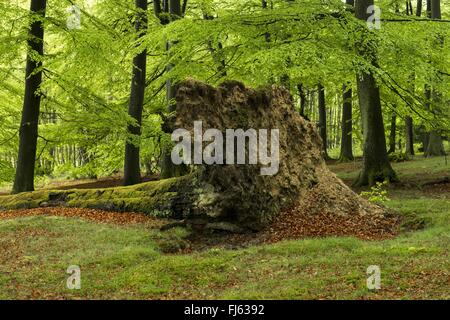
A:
{"x": 84, "y": 120}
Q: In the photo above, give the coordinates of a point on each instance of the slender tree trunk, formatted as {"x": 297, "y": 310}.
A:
{"x": 168, "y": 168}
{"x": 376, "y": 166}
{"x": 409, "y": 136}
{"x": 435, "y": 145}
{"x": 132, "y": 171}
{"x": 419, "y": 8}
{"x": 346, "y": 137}
{"x": 346, "y": 153}
{"x": 409, "y": 129}
{"x": 24, "y": 179}
{"x": 157, "y": 7}
{"x": 267, "y": 34}
{"x": 392, "y": 133}
{"x": 323, "y": 120}
{"x": 184, "y": 7}
{"x": 302, "y": 94}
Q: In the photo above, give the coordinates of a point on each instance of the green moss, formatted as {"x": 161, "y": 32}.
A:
{"x": 24, "y": 200}
{"x": 154, "y": 198}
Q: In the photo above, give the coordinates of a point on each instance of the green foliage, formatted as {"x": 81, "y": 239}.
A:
{"x": 377, "y": 193}
{"x": 87, "y": 72}
{"x": 6, "y": 171}
{"x": 398, "y": 157}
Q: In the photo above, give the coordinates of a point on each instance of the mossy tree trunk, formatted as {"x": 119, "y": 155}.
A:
{"x": 376, "y": 166}
{"x": 28, "y": 133}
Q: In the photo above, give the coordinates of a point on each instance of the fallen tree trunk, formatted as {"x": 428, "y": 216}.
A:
{"x": 234, "y": 194}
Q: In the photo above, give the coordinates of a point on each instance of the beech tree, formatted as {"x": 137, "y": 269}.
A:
{"x": 435, "y": 146}
{"x": 323, "y": 120}
{"x": 132, "y": 167}
{"x": 28, "y": 133}
{"x": 346, "y": 135}
{"x": 376, "y": 166}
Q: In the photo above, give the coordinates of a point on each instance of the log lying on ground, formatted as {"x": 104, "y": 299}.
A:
{"x": 226, "y": 195}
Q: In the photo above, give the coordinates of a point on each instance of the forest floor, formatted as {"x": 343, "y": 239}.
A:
{"x": 126, "y": 256}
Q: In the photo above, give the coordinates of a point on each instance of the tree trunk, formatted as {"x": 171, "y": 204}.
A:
{"x": 168, "y": 168}
{"x": 157, "y": 7}
{"x": 435, "y": 145}
{"x": 419, "y": 8}
{"x": 392, "y": 133}
{"x": 323, "y": 120}
{"x": 302, "y": 94}
{"x": 436, "y": 9}
{"x": 346, "y": 137}
{"x": 376, "y": 166}
{"x": 409, "y": 136}
{"x": 24, "y": 179}
{"x": 132, "y": 171}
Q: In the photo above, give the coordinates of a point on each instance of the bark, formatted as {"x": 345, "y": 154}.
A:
{"x": 392, "y": 133}
{"x": 168, "y": 168}
{"x": 376, "y": 166}
{"x": 28, "y": 132}
{"x": 409, "y": 136}
{"x": 323, "y": 120}
{"x": 303, "y": 101}
{"x": 435, "y": 146}
{"x": 184, "y": 7}
{"x": 410, "y": 8}
{"x": 175, "y": 7}
{"x": 436, "y": 9}
{"x": 428, "y": 8}
{"x": 419, "y": 8}
{"x": 132, "y": 168}
{"x": 346, "y": 137}
{"x": 157, "y": 7}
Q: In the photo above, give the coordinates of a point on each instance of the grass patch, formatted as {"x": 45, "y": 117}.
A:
{"x": 130, "y": 262}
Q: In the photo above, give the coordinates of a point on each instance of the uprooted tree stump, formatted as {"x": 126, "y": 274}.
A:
{"x": 233, "y": 197}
